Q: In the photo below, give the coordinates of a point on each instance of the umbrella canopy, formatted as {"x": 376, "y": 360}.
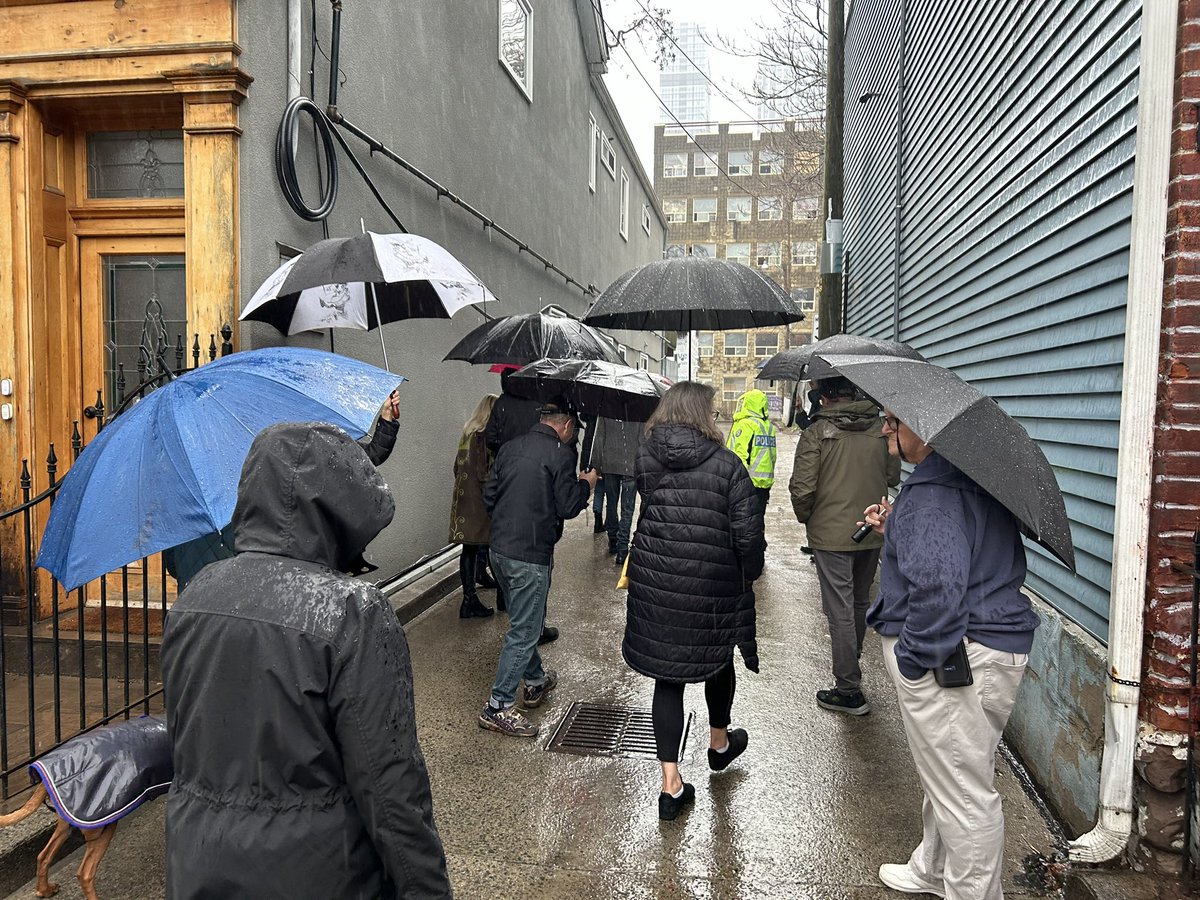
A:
{"x": 520, "y": 340}
{"x": 593, "y": 386}
{"x": 693, "y": 293}
{"x": 970, "y": 430}
{"x": 794, "y": 364}
{"x": 166, "y": 470}
{"x": 339, "y": 282}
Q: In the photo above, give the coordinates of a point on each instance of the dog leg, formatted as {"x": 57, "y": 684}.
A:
{"x": 45, "y": 887}
{"x": 97, "y": 840}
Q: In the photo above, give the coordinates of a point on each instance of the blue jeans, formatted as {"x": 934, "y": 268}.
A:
{"x": 526, "y": 587}
{"x": 625, "y": 487}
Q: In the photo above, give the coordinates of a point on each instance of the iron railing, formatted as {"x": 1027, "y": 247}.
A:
{"x": 64, "y": 667}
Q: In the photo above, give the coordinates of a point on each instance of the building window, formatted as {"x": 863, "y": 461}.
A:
{"x": 643, "y": 362}
{"x": 804, "y": 253}
{"x": 624, "y": 204}
{"x": 735, "y": 345}
{"x": 737, "y": 209}
{"x": 646, "y": 217}
{"x": 704, "y": 165}
{"x": 593, "y": 151}
{"x": 733, "y": 387}
{"x": 675, "y": 251}
{"x": 768, "y": 255}
{"x": 770, "y": 209}
{"x": 134, "y": 164}
{"x": 739, "y": 253}
{"x": 805, "y": 299}
{"x": 608, "y": 156}
{"x": 704, "y": 251}
{"x": 515, "y": 16}
{"x": 739, "y": 162}
{"x": 704, "y": 209}
{"x": 675, "y": 165}
{"x": 766, "y": 343}
{"x": 704, "y": 343}
{"x": 807, "y": 162}
{"x": 770, "y": 162}
{"x": 622, "y": 351}
{"x": 675, "y": 210}
{"x": 806, "y": 208}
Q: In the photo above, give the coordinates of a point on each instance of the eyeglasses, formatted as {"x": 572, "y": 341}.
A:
{"x": 890, "y": 422}
{"x": 716, "y": 415}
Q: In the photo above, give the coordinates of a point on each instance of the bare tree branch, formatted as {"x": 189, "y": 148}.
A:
{"x": 657, "y": 23}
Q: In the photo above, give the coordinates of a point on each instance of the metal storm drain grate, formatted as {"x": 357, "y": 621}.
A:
{"x": 592, "y": 729}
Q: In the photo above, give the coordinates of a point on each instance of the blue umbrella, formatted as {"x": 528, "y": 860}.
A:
{"x": 166, "y": 471}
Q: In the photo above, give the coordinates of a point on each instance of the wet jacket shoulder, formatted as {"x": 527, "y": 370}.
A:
{"x": 289, "y": 697}
{"x": 511, "y": 417}
{"x": 842, "y": 466}
{"x": 616, "y": 446}
{"x": 953, "y": 565}
{"x": 533, "y": 487}
{"x": 696, "y": 552}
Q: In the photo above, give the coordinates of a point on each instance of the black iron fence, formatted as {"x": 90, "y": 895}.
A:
{"x": 72, "y": 661}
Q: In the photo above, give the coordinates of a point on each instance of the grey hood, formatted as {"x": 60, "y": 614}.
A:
{"x": 309, "y": 492}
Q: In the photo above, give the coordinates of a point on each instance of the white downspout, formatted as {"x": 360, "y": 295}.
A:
{"x": 1143, "y": 319}
{"x": 295, "y": 56}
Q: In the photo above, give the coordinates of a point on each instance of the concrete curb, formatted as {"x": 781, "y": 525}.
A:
{"x": 1122, "y": 884}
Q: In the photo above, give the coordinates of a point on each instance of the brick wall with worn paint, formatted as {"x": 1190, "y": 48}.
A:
{"x": 1161, "y": 762}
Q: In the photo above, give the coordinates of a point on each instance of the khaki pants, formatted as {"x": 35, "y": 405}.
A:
{"x": 953, "y": 734}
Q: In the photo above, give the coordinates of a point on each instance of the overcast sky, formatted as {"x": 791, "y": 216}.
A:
{"x": 639, "y": 107}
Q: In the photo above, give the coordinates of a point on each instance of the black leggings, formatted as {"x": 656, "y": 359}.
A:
{"x": 667, "y": 710}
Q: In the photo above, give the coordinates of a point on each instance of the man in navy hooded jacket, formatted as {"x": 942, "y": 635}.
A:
{"x": 953, "y": 566}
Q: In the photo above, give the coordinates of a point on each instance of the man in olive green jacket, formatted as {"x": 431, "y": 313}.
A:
{"x": 842, "y": 466}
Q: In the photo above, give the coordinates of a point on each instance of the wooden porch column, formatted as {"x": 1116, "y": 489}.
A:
{"x": 210, "y": 141}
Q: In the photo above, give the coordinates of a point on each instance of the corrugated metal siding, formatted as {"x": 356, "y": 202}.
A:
{"x": 1017, "y": 192}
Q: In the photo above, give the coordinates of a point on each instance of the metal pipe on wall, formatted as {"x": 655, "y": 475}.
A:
{"x": 1143, "y": 320}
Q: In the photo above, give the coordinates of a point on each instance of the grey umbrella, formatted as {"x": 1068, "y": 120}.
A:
{"x": 970, "y": 430}
{"x": 794, "y": 364}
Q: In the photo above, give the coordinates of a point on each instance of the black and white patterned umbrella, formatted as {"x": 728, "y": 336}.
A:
{"x": 365, "y": 281}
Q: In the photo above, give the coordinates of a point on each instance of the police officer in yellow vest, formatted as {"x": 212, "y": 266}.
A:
{"x": 752, "y": 439}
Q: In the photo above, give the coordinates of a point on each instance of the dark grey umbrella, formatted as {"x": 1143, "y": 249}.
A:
{"x": 518, "y": 340}
{"x": 970, "y": 430}
{"x": 794, "y": 364}
{"x": 692, "y": 293}
{"x": 593, "y": 386}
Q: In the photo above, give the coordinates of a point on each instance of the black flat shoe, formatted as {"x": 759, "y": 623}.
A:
{"x": 738, "y": 739}
{"x": 670, "y": 807}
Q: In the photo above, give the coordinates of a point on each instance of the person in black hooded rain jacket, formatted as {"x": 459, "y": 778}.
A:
{"x": 289, "y": 697}
{"x": 697, "y": 550}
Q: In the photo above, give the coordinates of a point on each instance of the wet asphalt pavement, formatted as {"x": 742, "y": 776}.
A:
{"x": 809, "y": 812}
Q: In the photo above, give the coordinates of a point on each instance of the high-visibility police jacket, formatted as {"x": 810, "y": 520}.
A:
{"x": 752, "y": 438}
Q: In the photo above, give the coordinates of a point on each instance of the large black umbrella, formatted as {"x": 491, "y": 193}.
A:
{"x": 518, "y": 340}
{"x": 593, "y": 386}
{"x": 693, "y": 293}
{"x": 363, "y": 282}
{"x": 794, "y": 364}
{"x": 970, "y": 430}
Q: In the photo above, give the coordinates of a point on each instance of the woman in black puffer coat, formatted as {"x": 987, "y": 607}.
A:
{"x": 697, "y": 551}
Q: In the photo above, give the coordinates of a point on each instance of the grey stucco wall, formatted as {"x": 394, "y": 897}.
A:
{"x": 1057, "y": 727}
{"x": 427, "y": 82}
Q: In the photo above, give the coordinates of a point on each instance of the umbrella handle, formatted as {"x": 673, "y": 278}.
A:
{"x": 379, "y": 325}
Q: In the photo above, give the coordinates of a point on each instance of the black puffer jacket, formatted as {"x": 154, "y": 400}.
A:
{"x": 698, "y": 548}
{"x": 290, "y": 700}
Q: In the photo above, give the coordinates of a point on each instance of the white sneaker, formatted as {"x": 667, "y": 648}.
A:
{"x": 902, "y": 878}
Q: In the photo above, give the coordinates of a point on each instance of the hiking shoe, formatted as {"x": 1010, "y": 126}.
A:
{"x": 853, "y": 704}
{"x": 506, "y": 721}
{"x": 549, "y": 633}
{"x": 534, "y": 696}
{"x": 670, "y": 807}
{"x": 738, "y": 739}
{"x": 902, "y": 878}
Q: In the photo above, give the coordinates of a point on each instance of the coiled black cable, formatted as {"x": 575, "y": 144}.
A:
{"x": 285, "y": 159}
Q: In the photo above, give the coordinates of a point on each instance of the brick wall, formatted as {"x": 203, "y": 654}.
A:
{"x": 1175, "y": 492}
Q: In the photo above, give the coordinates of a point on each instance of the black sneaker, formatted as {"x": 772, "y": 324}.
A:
{"x": 534, "y": 696}
{"x": 619, "y": 560}
{"x": 853, "y": 704}
{"x": 738, "y": 739}
{"x": 506, "y": 721}
{"x": 549, "y": 633}
{"x": 670, "y": 807}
